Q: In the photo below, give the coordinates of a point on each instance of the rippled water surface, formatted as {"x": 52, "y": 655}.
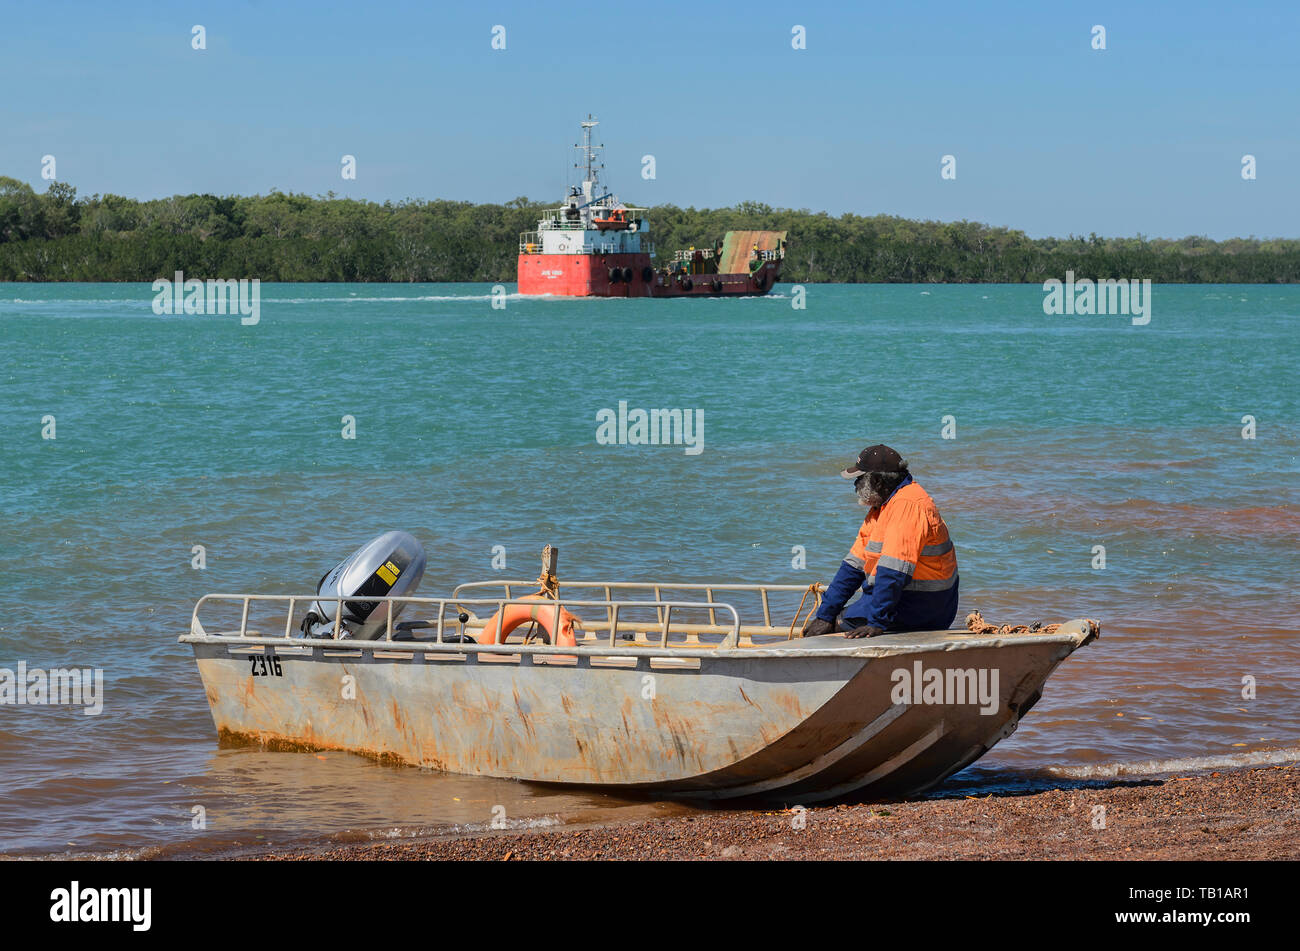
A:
{"x": 476, "y": 427}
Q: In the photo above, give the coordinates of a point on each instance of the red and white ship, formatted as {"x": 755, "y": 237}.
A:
{"x": 595, "y": 246}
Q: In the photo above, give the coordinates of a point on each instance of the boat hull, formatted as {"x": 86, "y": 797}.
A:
{"x": 589, "y": 275}
{"x": 800, "y": 723}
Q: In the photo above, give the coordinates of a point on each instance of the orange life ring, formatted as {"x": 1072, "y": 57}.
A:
{"x": 543, "y": 612}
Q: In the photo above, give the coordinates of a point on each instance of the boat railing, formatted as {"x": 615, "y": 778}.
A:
{"x": 560, "y": 224}
{"x": 694, "y": 254}
{"x": 759, "y": 597}
{"x": 558, "y": 221}
{"x": 530, "y": 242}
{"x": 444, "y": 614}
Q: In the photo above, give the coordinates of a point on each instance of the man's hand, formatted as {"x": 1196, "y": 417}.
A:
{"x": 815, "y": 626}
{"x": 866, "y": 630}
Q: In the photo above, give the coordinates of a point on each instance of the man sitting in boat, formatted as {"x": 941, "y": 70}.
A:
{"x": 903, "y": 559}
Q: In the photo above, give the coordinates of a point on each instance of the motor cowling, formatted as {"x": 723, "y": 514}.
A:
{"x": 388, "y": 566}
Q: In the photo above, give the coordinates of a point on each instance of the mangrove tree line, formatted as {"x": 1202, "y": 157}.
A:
{"x": 58, "y": 236}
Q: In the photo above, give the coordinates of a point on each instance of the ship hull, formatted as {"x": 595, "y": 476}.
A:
{"x": 587, "y": 275}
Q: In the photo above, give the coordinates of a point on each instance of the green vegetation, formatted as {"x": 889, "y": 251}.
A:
{"x": 60, "y": 237}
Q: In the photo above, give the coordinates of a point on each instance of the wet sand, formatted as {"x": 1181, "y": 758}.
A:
{"x": 1242, "y": 814}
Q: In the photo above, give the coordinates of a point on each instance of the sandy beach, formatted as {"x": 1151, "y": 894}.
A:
{"x": 1238, "y": 815}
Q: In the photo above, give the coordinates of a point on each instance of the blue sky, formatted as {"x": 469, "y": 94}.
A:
{"x": 1049, "y": 135}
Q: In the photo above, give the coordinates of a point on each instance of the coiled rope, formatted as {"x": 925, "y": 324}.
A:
{"x": 976, "y": 624}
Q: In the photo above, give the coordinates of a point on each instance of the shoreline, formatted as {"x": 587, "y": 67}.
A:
{"x": 1250, "y": 813}
{"x": 791, "y": 281}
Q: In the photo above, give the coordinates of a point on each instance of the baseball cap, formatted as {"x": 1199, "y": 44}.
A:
{"x": 878, "y": 458}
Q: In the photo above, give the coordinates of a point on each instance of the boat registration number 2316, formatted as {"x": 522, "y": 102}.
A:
{"x": 260, "y": 665}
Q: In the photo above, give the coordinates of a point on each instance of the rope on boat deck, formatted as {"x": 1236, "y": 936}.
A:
{"x": 976, "y": 624}
{"x": 815, "y": 589}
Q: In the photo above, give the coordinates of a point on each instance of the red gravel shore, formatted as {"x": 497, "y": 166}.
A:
{"x": 1243, "y": 814}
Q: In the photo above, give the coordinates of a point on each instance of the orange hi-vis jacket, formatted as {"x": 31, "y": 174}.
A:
{"x": 905, "y": 564}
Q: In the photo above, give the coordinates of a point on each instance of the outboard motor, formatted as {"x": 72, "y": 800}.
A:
{"x": 391, "y": 564}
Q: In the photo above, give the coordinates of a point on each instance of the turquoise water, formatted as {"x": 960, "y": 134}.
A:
{"x": 476, "y": 427}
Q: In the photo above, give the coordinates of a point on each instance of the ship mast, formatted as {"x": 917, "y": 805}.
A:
{"x": 589, "y": 162}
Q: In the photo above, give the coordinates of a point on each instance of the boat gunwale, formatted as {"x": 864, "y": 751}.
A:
{"x": 956, "y": 639}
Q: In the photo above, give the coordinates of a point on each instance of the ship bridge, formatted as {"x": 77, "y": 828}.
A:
{"x": 591, "y": 220}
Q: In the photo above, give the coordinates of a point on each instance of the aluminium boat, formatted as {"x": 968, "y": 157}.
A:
{"x": 663, "y": 688}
